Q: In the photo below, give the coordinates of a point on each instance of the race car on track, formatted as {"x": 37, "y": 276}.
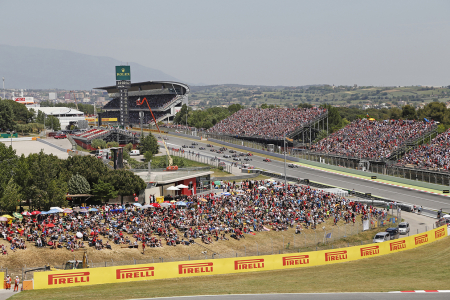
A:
{"x": 266, "y": 160}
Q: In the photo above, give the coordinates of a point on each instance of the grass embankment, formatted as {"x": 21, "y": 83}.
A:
{"x": 262, "y": 243}
{"x": 423, "y": 268}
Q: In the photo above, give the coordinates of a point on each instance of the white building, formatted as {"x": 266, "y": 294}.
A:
{"x": 64, "y": 114}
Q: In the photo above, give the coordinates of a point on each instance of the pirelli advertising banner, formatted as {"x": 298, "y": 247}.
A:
{"x": 81, "y": 277}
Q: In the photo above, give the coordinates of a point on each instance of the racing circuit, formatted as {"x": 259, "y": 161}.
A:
{"x": 395, "y": 193}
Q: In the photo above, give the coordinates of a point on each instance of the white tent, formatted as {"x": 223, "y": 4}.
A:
{"x": 172, "y": 188}
{"x": 181, "y": 186}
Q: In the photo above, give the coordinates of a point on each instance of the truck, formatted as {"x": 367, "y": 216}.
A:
{"x": 103, "y": 153}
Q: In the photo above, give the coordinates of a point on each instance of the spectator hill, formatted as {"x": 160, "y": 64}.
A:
{"x": 272, "y": 124}
{"x": 375, "y": 140}
{"x": 164, "y": 97}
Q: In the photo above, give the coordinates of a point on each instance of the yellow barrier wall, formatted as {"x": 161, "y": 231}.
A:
{"x": 57, "y": 279}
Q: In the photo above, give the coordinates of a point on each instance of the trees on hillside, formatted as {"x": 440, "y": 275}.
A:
{"x": 6, "y": 116}
{"x": 149, "y": 144}
{"x": 11, "y": 196}
{"x": 90, "y": 167}
{"x": 103, "y": 191}
{"x": 125, "y": 183}
{"x": 98, "y": 144}
{"x": 409, "y": 112}
{"x": 45, "y": 180}
{"x": 436, "y": 111}
{"x": 53, "y": 123}
{"x": 78, "y": 185}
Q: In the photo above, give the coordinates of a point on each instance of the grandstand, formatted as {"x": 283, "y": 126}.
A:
{"x": 435, "y": 155}
{"x": 272, "y": 125}
{"x": 123, "y": 137}
{"x": 165, "y": 99}
{"x": 375, "y": 141}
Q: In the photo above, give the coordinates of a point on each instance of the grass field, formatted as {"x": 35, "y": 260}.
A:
{"x": 423, "y": 268}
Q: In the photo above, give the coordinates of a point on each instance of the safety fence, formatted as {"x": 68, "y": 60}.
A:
{"x": 150, "y": 271}
{"x": 426, "y": 175}
{"x": 433, "y": 176}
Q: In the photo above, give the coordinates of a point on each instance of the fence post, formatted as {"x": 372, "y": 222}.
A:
{"x": 293, "y": 244}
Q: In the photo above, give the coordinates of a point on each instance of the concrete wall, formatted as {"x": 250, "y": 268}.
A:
{"x": 253, "y": 150}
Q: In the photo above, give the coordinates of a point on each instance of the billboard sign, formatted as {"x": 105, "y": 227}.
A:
{"x": 123, "y": 84}
{"x": 123, "y": 73}
{"x": 24, "y": 100}
{"x": 177, "y": 269}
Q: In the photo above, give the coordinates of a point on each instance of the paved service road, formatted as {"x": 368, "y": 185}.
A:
{"x": 331, "y": 296}
{"x": 389, "y": 192}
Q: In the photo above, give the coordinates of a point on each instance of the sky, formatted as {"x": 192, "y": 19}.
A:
{"x": 290, "y": 43}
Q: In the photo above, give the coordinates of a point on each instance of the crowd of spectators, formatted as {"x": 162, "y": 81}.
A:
{"x": 373, "y": 140}
{"x": 250, "y": 206}
{"x": 435, "y": 155}
{"x": 273, "y": 123}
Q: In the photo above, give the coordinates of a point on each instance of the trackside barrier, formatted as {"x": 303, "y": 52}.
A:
{"x": 84, "y": 277}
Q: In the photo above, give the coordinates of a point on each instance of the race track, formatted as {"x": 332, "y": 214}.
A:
{"x": 428, "y": 200}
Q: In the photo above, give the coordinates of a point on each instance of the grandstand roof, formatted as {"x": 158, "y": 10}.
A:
{"x": 149, "y": 85}
{"x": 59, "y": 111}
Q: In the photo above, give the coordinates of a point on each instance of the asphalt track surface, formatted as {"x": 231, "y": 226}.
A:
{"x": 330, "y": 296}
{"x": 394, "y": 193}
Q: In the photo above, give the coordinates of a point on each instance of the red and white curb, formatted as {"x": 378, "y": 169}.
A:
{"x": 372, "y": 180}
{"x": 423, "y": 291}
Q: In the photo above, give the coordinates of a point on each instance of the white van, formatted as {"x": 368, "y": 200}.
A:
{"x": 135, "y": 153}
{"x": 103, "y": 153}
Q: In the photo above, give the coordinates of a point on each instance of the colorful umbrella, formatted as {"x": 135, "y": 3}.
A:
{"x": 56, "y": 208}
{"x": 50, "y": 225}
{"x": 93, "y": 209}
{"x": 17, "y": 215}
{"x": 36, "y": 212}
{"x": 3, "y": 219}
{"x": 7, "y": 216}
{"x": 26, "y": 213}
{"x": 67, "y": 211}
{"x": 155, "y": 205}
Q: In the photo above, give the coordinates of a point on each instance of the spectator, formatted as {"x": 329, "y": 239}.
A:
{"x": 373, "y": 140}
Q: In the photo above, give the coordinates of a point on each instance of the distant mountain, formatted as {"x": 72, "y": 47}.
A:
{"x": 36, "y": 68}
